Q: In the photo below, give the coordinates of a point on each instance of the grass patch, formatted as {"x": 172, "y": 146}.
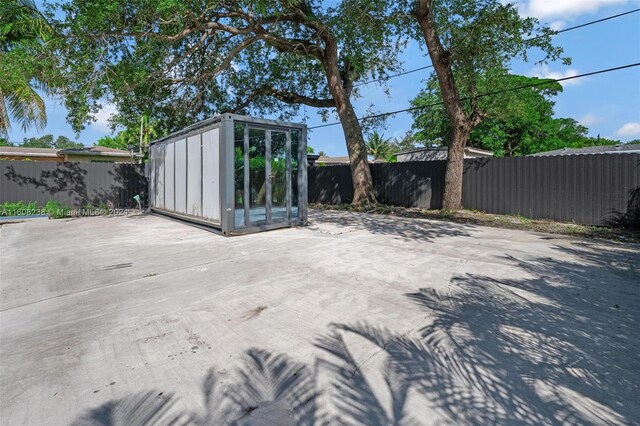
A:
{"x": 19, "y": 208}
{"x": 475, "y": 217}
{"x": 54, "y": 209}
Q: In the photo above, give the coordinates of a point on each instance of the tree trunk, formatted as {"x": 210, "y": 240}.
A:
{"x": 363, "y": 192}
{"x": 460, "y": 122}
{"x": 452, "y": 198}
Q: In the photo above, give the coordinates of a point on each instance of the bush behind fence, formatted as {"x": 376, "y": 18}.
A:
{"x": 599, "y": 189}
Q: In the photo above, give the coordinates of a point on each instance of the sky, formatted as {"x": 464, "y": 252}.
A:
{"x": 608, "y": 104}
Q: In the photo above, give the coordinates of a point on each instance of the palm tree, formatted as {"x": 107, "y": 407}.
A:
{"x": 22, "y": 36}
{"x": 379, "y": 147}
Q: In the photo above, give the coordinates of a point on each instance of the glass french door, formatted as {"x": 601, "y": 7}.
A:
{"x": 266, "y": 176}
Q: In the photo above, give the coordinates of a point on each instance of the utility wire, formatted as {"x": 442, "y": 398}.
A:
{"x": 392, "y": 76}
{"x": 482, "y": 95}
{"x": 586, "y": 24}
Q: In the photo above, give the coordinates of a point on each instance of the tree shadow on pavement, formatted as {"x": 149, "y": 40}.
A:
{"x": 560, "y": 346}
{"x": 341, "y": 222}
{"x": 265, "y": 389}
{"x": 149, "y": 408}
{"x": 557, "y": 346}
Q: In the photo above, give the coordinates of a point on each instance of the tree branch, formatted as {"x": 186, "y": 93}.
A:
{"x": 294, "y": 98}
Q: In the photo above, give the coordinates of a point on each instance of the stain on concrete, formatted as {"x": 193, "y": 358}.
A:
{"x": 253, "y": 313}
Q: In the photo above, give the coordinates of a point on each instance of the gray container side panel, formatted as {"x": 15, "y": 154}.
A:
{"x": 303, "y": 186}
{"x": 194, "y": 176}
{"x": 152, "y": 177}
{"x": 169, "y": 177}
{"x": 211, "y": 174}
{"x": 227, "y": 174}
{"x": 160, "y": 154}
{"x": 181, "y": 176}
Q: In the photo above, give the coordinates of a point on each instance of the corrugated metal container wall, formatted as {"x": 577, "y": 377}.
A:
{"x": 185, "y": 175}
{"x": 236, "y": 173}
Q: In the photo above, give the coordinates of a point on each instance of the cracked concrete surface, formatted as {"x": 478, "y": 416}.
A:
{"x": 354, "y": 319}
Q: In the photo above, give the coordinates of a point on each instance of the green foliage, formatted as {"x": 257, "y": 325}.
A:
{"x": 19, "y": 208}
{"x": 481, "y": 38}
{"x": 173, "y": 61}
{"x": 518, "y": 122}
{"x": 111, "y": 142}
{"x": 56, "y": 210}
{"x": 63, "y": 142}
{"x": 120, "y": 141}
{"x": 5, "y": 142}
{"x": 52, "y": 208}
{"x": 131, "y": 137}
{"x": 48, "y": 141}
{"x": 27, "y": 64}
{"x": 407, "y": 142}
{"x": 379, "y": 147}
{"x": 45, "y": 141}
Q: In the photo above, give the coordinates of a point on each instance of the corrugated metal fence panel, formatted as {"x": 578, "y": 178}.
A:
{"x": 74, "y": 185}
{"x": 330, "y": 184}
{"x": 586, "y": 189}
{"x": 409, "y": 184}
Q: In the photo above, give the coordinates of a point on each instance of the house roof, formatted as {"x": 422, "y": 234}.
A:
{"x": 333, "y": 160}
{"x": 97, "y": 150}
{"x": 28, "y": 152}
{"x": 54, "y": 152}
{"x": 444, "y": 148}
{"x": 607, "y": 149}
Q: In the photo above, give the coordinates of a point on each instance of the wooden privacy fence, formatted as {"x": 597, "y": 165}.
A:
{"x": 599, "y": 189}
{"x": 74, "y": 185}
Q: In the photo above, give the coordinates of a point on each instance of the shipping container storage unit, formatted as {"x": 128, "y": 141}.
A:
{"x": 235, "y": 173}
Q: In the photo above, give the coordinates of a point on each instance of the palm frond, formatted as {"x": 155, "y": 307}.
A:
{"x": 5, "y": 125}
{"x": 26, "y": 107}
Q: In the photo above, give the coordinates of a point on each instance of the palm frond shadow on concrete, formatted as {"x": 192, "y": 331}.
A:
{"x": 556, "y": 346}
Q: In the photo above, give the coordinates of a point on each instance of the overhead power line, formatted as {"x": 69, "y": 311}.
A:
{"x": 586, "y": 24}
{"x": 393, "y": 76}
{"x": 597, "y": 21}
{"x": 482, "y": 95}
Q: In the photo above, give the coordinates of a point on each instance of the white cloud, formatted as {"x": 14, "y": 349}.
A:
{"x": 564, "y": 8}
{"x": 102, "y": 118}
{"x": 629, "y": 130}
{"x": 557, "y": 25}
{"x": 543, "y": 71}
{"x": 590, "y": 120}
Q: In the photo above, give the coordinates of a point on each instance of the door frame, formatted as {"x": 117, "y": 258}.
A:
{"x": 268, "y": 176}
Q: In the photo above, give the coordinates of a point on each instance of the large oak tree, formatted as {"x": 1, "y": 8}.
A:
{"x": 181, "y": 61}
{"x": 469, "y": 41}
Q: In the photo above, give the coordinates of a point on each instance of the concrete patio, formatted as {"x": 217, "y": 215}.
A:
{"x": 355, "y": 319}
